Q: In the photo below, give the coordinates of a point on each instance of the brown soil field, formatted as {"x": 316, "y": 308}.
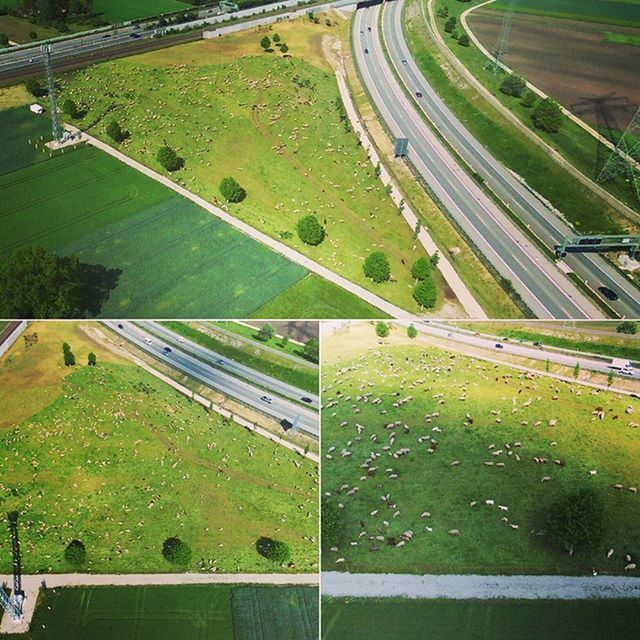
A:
{"x": 573, "y": 62}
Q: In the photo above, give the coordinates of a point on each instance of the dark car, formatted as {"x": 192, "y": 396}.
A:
{"x": 537, "y": 344}
{"x": 106, "y": 35}
{"x": 609, "y": 294}
{"x": 167, "y": 349}
{"x": 266, "y": 399}
{"x": 220, "y": 361}
{"x": 120, "y": 326}
{"x": 369, "y": 29}
{"x": 307, "y": 400}
{"x": 366, "y": 50}
{"x": 418, "y": 94}
{"x": 499, "y": 346}
{"x": 135, "y": 35}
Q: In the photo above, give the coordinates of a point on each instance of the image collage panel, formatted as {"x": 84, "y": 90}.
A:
{"x": 319, "y": 319}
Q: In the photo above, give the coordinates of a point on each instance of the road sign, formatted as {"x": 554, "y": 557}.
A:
{"x": 402, "y": 146}
{"x": 599, "y": 244}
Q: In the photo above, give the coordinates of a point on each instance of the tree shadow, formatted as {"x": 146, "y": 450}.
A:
{"x": 263, "y": 544}
{"x": 99, "y": 282}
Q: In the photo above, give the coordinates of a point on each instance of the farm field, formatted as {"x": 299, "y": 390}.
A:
{"x": 391, "y": 619}
{"x": 217, "y": 612}
{"x": 135, "y": 464}
{"x": 231, "y": 109}
{"x": 286, "y": 370}
{"x": 575, "y": 62}
{"x": 585, "y": 210}
{"x": 114, "y": 11}
{"x": 485, "y": 424}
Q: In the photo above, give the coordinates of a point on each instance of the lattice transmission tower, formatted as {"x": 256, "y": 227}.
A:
{"x": 51, "y": 86}
{"x": 502, "y": 43}
{"x": 625, "y": 158}
{"x": 13, "y": 604}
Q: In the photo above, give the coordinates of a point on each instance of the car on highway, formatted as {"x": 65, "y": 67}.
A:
{"x": 404, "y": 61}
{"x": 306, "y": 399}
{"x": 537, "y": 344}
{"x": 135, "y": 35}
{"x": 106, "y": 35}
{"x": 220, "y": 361}
{"x": 369, "y": 29}
{"x": 366, "y": 50}
{"x": 120, "y": 326}
{"x": 267, "y": 399}
{"x": 499, "y": 346}
{"x": 418, "y": 94}
{"x": 609, "y": 294}
{"x": 148, "y": 340}
{"x": 180, "y": 339}
{"x": 627, "y": 371}
{"x": 167, "y": 350}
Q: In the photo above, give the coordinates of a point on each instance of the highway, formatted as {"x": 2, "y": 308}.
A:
{"x": 593, "y": 269}
{"x": 526, "y": 350}
{"x": 220, "y": 361}
{"x": 280, "y": 409}
{"x": 547, "y": 291}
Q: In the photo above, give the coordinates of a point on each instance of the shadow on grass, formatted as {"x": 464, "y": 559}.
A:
{"x": 99, "y": 282}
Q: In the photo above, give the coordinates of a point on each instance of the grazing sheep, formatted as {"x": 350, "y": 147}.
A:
{"x": 609, "y": 553}
{"x": 456, "y": 532}
{"x": 630, "y": 567}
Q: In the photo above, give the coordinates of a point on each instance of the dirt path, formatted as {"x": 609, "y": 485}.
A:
{"x": 461, "y": 587}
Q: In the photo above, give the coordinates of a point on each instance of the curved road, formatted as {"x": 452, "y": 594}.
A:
{"x": 544, "y": 288}
{"x": 540, "y": 219}
{"x": 281, "y": 409}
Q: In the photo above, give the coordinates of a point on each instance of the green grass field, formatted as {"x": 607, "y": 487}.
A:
{"x": 506, "y": 406}
{"x": 300, "y": 376}
{"x": 588, "y": 212}
{"x": 114, "y": 11}
{"x": 623, "y": 12}
{"x": 390, "y": 619}
{"x": 114, "y": 457}
{"x": 622, "y": 38}
{"x": 230, "y": 109}
{"x": 211, "y": 612}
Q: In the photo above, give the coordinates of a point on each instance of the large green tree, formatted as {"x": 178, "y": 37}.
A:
{"x": 376, "y": 267}
{"x": 547, "y": 116}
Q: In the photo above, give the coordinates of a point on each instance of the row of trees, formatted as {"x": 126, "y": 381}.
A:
{"x": 266, "y": 43}
{"x": 70, "y": 359}
{"x": 310, "y": 349}
{"x": 58, "y": 13}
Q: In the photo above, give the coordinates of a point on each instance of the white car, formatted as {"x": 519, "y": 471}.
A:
{"x": 148, "y": 340}
{"x": 266, "y": 399}
{"x": 180, "y": 339}
{"x": 627, "y": 371}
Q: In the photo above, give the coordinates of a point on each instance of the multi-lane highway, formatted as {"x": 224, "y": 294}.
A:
{"x": 303, "y": 418}
{"x": 526, "y": 350}
{"x": 237, "y": 369}
{"x": 542, "y": 221}
{"x": 545, "y": 289}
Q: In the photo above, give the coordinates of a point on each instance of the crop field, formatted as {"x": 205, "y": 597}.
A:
{"x": 154, "y": 253}
{"x": 388, "y": 619}
{"x": 114, "y": 11}
{"x": 115, "y": 458}
{"x": 203, "y": 612}
{"x": 577, "y": 63}
{"x": 453, "y": 432}
{"x": 230, "y": 109}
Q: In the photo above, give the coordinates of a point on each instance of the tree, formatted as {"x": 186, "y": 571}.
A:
{"x": 169, "y": 159}
{"x": 116, "y": 132}
{"x": 284, "y": 48}
{"x": 310, "y": 231}
{"x": 37, "y": 284}
{"x": 547, "y": 116}
{"x": 267, "y": 331}
{"x": 443, "y": 12}
{"x": 421, "y": 269}
{"x": 382, "y": 329}
{"x": 528, "y": 100}
{"x": 610, "y": 378}
{"x": 70, "y": 108}
{"x": 69, "y": 358}
{"x": 412, "y": 332}
{"x": 576, "y": 371}
{"x": 376, "y": 267}
{"x": 75, "y": 553}
{"x": 577, "y": 520}
{"x": 4, "y": 39}
{"x": 276, "y": 37}
{"x": 426, "y": 294}
{"x": 513, "y": 85}
{"x": 285, "y": 341}
{"x": 435, "y": 258}
{"x": 176, "y": 552}
{"x": 450, "y": 24}
{"x": 274, "y": 550}
{"x": 34, "y": 87}
{"x": 91, "y": 359}
{"x": 311, "y": 349}
{"x": 265, "y": 43}
{"x": 463, "y": 40}
{"x": 331, "y": 524}
{"x": 629, "y": 327}
{"x": 33, "y": 35}
{"x": 231, "y": 191}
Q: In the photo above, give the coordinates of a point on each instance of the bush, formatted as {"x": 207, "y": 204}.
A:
{"x": 265, "y": 43}
{"x": 69, "y": 358}
{"x": 412, "y": 332}
{"x": 529, "y": 99}
{"x": 34, "y": 88}
{"x": 376, "y": 267}
{"x": 70, "y": 108}
{"x": 311, "y": 349}
{"x": 310, "y": 231}
{"x": 231, "y": 191}
{"x": 513, "y": 85}
{"x": 421, "y": 269}
{"x": 330, "y": 524}
{"x": 382, "y": 329}
{"x": 4, "y": 39}
{"x": 284, "y": 48}
{"x": 450, "y": 24}
{"x": 267, "y": 331}
{"x": 628, "y": 326}
{"x": 276, "y": 37}
{"x": 176, "y": 552}
{"x": 547, "y": 116}
{"x": 274, "y": 550}
{"x": 169, "y": 159}
{"x": 75, "y": 553}
{"x": 426, "y": 294}
{"x": 463, "y": 40}
{"x": 116, "y": 132}
{"x": 91, "y": 359}
{"x": 576, "y": 520}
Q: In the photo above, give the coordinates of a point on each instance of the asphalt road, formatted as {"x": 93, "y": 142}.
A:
{"x": 280, "y": 409}
{"x": 547, "y": 291}
{"x": 220, "y": 361}
{"x": 527, "y": 350}
{"x": 541, "y": 220}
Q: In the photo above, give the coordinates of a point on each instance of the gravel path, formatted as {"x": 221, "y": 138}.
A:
{"x": 462, "y": 587}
